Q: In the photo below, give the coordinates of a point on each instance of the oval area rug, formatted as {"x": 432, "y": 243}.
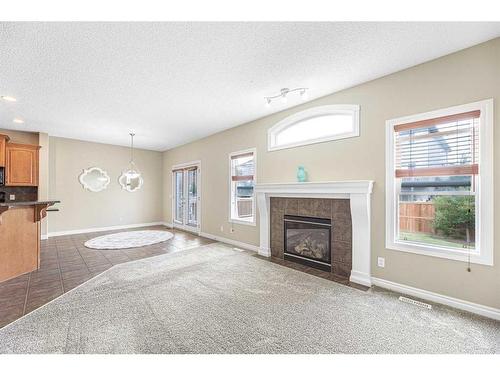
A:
{"x": 126, "y": 240}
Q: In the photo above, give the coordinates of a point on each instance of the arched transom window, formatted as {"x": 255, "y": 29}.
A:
{"x": 314, "y": 125}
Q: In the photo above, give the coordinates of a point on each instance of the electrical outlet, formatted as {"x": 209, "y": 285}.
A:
{"x": 381, "y": 262}
{"x": 12, "y": 197}
{"x": 222, "y": 228}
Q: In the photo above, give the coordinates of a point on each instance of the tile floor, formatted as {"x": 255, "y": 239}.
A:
{"x": 66, "y": 263}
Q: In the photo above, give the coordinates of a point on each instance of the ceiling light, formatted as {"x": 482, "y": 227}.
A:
{"x": 8, "y": 98}
{"x": 284, "y": 93}
{"x": 18, "y": 121}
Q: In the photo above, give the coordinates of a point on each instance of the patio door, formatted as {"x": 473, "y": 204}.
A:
{"x": 186, "y": 197}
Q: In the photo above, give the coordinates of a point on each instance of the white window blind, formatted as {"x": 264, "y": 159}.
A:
{"x": 444, "y": 146}
{"x": 242, "y": 167}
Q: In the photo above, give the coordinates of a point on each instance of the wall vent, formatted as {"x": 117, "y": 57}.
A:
{"x": 413, "y": 302}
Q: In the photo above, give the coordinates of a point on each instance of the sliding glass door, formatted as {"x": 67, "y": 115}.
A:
{"x": 179, "y": 197}
{"x": 186, "y": 199}
{"x": 192, "y": 197}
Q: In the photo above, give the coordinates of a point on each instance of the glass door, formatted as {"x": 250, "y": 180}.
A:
{"x": 192, "y": 197}
{"x": 186, "y": 199}
{"x": 179, "y": 196}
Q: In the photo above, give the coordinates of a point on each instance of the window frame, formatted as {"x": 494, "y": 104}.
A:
{"x": 308, "y": 114}
{"x": 254, "y": 201}
{"x": 483, "y": 253}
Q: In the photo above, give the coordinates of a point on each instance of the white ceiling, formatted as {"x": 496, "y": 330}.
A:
{"x": 173, "y": 83}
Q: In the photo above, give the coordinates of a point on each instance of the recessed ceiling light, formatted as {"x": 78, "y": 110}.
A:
{"x": 8, "y": 98}
{"x": 18, "y": 121}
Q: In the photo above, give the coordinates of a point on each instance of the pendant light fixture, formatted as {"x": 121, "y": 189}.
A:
{"x": 132, "y": 171}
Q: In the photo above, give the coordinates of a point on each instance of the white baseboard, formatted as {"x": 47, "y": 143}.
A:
{"x": 265, "y": 252}
{"x": 242, "y": 245}
{"x": 472, "y": 307}
{"x": 103, "y": 229}
{"x": 360, "y": 278}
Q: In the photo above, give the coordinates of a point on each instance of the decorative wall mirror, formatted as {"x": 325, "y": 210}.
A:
{"x": 94, "y": 179}
{"x": 130, "y": 182}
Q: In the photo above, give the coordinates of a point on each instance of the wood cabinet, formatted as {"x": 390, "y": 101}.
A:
{"x": 21, "y": 164}
{"x": 3, "y": 142}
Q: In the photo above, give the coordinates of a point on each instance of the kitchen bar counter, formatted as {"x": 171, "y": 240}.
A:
{"x": 20, "y": 234}
{"x": 27, "y": 203}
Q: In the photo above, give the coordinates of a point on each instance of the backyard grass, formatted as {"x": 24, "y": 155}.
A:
{"x": 433, "y": 239}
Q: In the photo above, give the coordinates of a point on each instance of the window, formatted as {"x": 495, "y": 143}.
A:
{"x": 242, "y": 198}
{"x": 439, "y": 183}
{"x": 314, "y": 125}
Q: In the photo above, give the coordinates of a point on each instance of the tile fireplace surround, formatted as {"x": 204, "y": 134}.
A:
{"x": 359, "y": 195}
{"x": 336, "y": 212}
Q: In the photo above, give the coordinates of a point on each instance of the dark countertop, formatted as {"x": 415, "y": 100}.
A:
{"x": 27, "y": 203}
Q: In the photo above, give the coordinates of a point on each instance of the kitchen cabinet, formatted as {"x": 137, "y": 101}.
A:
{"x": 21, "y": 164}
{"x": 3, "y": 142}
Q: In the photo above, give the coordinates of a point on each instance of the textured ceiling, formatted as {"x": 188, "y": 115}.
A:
{"x": 173, "y": 83}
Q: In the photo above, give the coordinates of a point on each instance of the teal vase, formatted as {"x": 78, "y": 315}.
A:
{"x": 301, "y": 174}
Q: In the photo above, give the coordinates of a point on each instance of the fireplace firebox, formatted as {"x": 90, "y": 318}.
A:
{"x": 308, "y": 241}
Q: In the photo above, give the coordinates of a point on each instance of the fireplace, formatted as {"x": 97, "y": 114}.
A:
{"x": 346, "y": 203}
{"x": 307, "y": 240}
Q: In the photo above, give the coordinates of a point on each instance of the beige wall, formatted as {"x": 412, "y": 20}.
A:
{"x": 82, "y": 209}
{"x": 43, "y": 175}
{"x": 463, "y": 77}
{"x": 17, "y": 136}
{"x": 61, "y": 162}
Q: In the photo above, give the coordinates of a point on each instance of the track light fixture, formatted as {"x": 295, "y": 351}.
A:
{"x": 284, "y": 93}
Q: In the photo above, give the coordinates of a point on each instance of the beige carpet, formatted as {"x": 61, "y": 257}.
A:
{"x": 214, "y": 299}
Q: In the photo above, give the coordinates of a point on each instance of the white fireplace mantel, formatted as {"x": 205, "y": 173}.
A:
{"x": 359, "y": 194}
